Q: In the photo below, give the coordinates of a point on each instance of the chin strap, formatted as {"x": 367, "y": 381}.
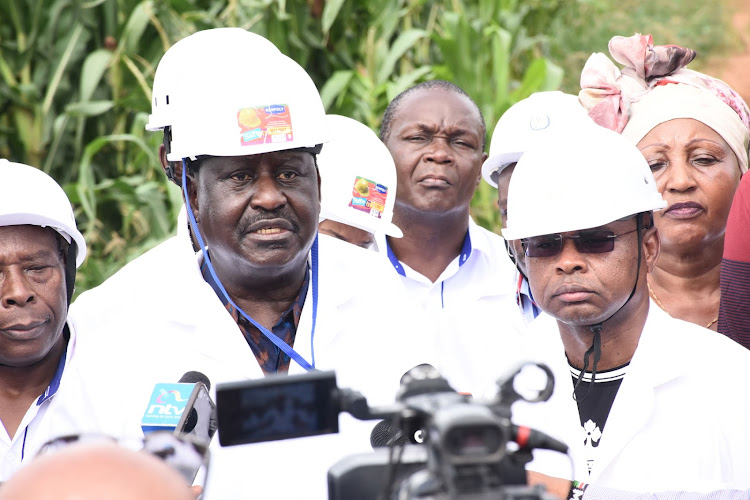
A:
{"x": 596, "y": 344}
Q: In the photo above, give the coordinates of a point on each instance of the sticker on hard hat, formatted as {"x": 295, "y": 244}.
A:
{"x": 368, "y": 196}
{"x": 265, "y": 124}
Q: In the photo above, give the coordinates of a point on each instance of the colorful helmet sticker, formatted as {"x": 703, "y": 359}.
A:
{"x": 368, "y": 196}
{"x": 265, "y": 124}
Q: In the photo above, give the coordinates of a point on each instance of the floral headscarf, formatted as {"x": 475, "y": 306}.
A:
{"x": 654, "y": 87}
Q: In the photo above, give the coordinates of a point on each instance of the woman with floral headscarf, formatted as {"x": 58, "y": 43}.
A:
{"x": 694, "y": 131}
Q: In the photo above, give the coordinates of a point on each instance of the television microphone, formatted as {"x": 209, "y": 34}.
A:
{"x": 184, "y": 407}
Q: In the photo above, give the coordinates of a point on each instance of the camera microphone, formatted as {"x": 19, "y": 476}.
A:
{"x": 385, "y": 433}
{"x": 423, "y": 379}
{"x": 193, "y": 377}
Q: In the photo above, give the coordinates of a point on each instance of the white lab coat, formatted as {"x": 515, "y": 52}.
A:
{"x": 158, "y": 318}
{"x": 69, "y": 406}
{"x": 470, "y": 312}
{"x": 680, "y": 420}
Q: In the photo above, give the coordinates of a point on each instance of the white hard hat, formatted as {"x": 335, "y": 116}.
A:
{"x": 527, "y": 123}
{"x": 579, "y": 180}
{"x": 184, "y": 58}
{"x": 358, "y": 178}
{"x": 28, "y": 196}
{"x": 249, "y": 107}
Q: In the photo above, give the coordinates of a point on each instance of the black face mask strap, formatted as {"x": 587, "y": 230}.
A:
{"x": 70, "y": 269}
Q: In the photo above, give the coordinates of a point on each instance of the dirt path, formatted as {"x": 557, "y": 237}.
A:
{"x": 734, "y": 69}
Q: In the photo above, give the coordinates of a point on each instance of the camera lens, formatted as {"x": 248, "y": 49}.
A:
{"x": 475, "y": 440}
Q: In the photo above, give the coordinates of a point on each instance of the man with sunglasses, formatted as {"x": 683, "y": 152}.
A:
{"x": 635, "y": 397}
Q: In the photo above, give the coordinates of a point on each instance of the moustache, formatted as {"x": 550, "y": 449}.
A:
{"x": 248, "y": 221}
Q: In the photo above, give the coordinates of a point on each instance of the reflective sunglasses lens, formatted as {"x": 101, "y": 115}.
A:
{"x": 543, "y": 246}
{"x": 595, "y": 242}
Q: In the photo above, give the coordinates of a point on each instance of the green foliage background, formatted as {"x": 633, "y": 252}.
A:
{"x": 76, "y": 76}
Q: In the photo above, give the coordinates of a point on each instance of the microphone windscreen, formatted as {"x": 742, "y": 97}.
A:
{"x": 384, "y": 432}
{"x": 193, "y": 377}
{"x": 190, "y": 421}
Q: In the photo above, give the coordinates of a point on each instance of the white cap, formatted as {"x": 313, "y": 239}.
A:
{"x": 358, "y": 178}
{"x": 28, "y": 196}
{"x": 579, "y": 180}
{"x": 183, "y": 59}
{"x": 246, "y": 107}
{"x": 526, "y": 124}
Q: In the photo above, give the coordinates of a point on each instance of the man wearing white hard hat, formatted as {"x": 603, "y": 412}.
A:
{"x": 458, "y": 275}
{"x": 262, "y": 295}
{"x": 359, "y": 190}
{"x": 43, "y": 393}
{"x": 524, "y": 126}
{"x": 646, "y": 402}
{"x": 165, "y": 104}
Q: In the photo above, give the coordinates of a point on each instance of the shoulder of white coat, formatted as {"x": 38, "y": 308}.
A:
{"x": 347, "y": 271}
{"x": 683, "y": 349}
{"x": 693, "y": 342}
{"x": 143, "y": 275}
{"x": 492, "y": 249}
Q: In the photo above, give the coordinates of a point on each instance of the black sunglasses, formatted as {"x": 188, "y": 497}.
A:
{"x": 550, "y": 245}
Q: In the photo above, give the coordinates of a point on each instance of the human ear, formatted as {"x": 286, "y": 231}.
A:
{"x": 651, "y": 245}
{"x": 191, "y": 178}
{"x": 479, "y": 177}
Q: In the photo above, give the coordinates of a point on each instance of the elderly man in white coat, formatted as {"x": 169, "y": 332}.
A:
{"x": 261, "y": 296}
{"x": 43, "y": 391}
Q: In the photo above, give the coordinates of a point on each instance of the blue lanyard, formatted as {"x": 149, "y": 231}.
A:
{"x": 271, "y": 336}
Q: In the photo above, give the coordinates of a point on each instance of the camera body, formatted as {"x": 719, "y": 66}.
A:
{"x": 432, "y": 443}
{"x": 464, "y": 441}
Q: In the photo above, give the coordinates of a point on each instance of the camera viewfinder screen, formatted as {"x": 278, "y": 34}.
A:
{"x": 277, "y": 407}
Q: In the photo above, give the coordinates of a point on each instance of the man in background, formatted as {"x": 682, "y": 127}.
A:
{"x": 525, "y": 126}
{"x": 458, "y": 276}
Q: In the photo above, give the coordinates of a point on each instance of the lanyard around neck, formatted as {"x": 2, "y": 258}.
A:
{"x": 462, "y": 257}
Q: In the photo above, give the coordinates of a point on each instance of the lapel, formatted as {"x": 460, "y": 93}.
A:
{"x": 635, "y": 401}
{"x": 336, "y": 281}
{"x": 209, "y": 335}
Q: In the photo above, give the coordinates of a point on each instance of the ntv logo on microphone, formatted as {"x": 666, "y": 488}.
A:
{"x": 167, "y": 404}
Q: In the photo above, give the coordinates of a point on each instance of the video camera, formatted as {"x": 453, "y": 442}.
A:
{"x": 431, "y": 443}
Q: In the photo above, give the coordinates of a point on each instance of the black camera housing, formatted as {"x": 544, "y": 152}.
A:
{"x": 464, "y": 454}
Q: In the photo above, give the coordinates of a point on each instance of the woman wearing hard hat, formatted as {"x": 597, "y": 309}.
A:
{"x": 694, "y": 130}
